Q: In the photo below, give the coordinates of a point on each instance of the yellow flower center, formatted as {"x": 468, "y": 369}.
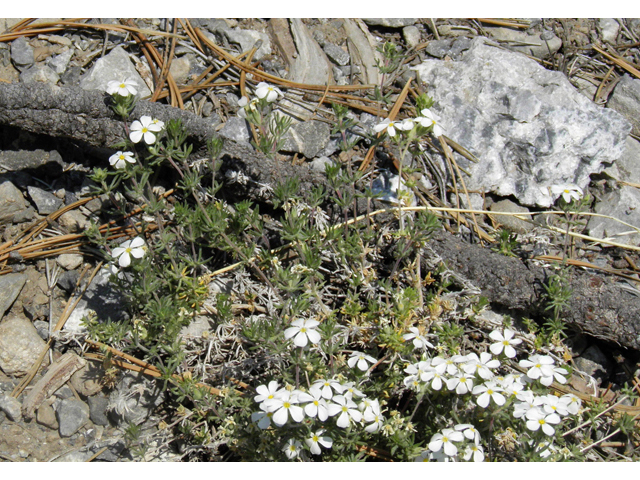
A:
{"x": 286, "y": 404}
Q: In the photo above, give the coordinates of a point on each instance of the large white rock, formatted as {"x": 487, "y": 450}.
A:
{"x": 529, "y": 126}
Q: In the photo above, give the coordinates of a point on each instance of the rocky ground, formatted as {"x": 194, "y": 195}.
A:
{"x": 537, "y": 101}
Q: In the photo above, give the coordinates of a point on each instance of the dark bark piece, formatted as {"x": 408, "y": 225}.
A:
{"x": 81, "y": 115}
{"x": 598, "y": 306}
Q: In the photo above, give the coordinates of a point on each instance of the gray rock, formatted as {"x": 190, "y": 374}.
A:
{"x": 69, "y": 261}
{"x": 45, "y": 202}
{"x": 64, "y": 392}
{"x": 133, "y": 399}
{"x": 512, "y": 223}
{"x": 72, "y": 415}
{"x": 39, "y": 74}
{"x": 625, "y": 100}
{"x": 235, "y": 129}
{"x": 311, "y": 66}
{"x": 411, "y": 36}
{"x": 67, "y": 280}
{"x": 247, "y": 39}
{"x": 594, "y": 363}
{"x": 114, "y": 66}
{"x": 609, "y": 29}
{"x": 336, "y": 53}
{"x": 390, "y": 22}
{"x": 11, "y": 202}
{"x": 21, "y": 53}
{"x": 98, "y": 409}
{"x": 196, "y": 328}
{"x": 11, "y": 407}
{"x": 307, "y": 138}
{"x": 453, "y": 47}
{"x": 10, "y": 286}
{"x": 74, "y": 221}
{"x": 530, "y": 44}
{"x": 101, "y": 297}
{"x": 46, "y": 415}
{"x": 627, "y": 167}
{"x": 180, "y": 68}
{"x": 623, "y": 204}
{"x": 529, "y": 126}
{"x": 86, "y": 381}
{"x": 20, "y": 345}
{"x": 60, "y": 62}
{"x": 362, "y": 50}
{"x": 50, "y": 163}
{"x": 320, "y": 164}
{"x": 42, "y": 328}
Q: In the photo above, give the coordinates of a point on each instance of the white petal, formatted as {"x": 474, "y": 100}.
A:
{"x": 135, "y": 136}
{"x": 125, "y": 260}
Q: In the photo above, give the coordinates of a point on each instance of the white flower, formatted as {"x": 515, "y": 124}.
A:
{"x": 349, "y": 390}
{"x": 316, "y": 440}
{"x": 144, "y": 128}
{"x": 267, "y": 392}
{"x": 445, "y": 438}
{"x": 475, "y": 450}
{"x": 568, "y": 192}
{"x": 347, "y": 410}
{"x": 538, "y": 419}
{"x": 552, "y": 404}
{"x": 283, "y": 406}
{"x": 327, "y": 387}
{"x": 361, "y": 359}
{"x": 433, "y": 375}
{"x": 159, "y": 124}
{"x": 263, "y": 418}
{"x": 372, "y": 414}
{"x": 557, "y": 374}
{"x": 123, "y": 88}
{"x": 292, "y": 448}
{"x": 304, "y": 331}
{"x": 111, "y": 269}
{"x": 527, "y": 399}
{"x": 505, "y": 342}
{"x": 445, "y": 364}
{"x": 488, "y": 390}
{"x": 461, "y": 383}
{"x": 571, "y": 402}
{"x": 120, "y": 159}
{"x": 264, "y": 90}
{"x": 511, "y": 386}
{"x": 539, "y": 366}
{"x": 418, "y": 340}
{"x": 126, "y": 250}
{"x": 317, "y": 405}
{"x": 469, "y": 431}
{"x": 392, "y": 126}
{"x": 481, "y": 365}
{"x": 428, "y": 119}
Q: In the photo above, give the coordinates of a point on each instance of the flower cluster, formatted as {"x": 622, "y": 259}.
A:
{"x": 543, "y": 411}
{"x": 476, "y": 375}
{"x": 324, "y": 399}
{"x": 428, "y": 119}
{"x": 442, "y": 448}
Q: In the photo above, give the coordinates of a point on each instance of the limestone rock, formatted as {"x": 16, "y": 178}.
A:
{"x": 11, "y": 202}
{"x": 10, "y": 286}
{"x": 20, "y": 345}
{"x": 114, "y": 66}
{"x": 529, "y": 126}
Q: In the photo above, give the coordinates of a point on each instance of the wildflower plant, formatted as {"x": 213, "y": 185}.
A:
{"x": 259, "y": 112}
{"x": 321, "y": 351}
